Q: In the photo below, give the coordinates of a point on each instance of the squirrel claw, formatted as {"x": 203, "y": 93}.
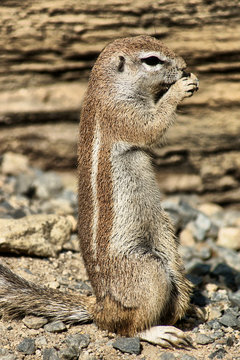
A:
{"x": 166, "y": 336}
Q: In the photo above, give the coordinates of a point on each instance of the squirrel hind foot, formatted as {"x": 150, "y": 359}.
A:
{"x": 166, "y": 336}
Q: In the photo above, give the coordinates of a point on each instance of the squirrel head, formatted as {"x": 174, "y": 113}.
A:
{"x": 138, "y": 66}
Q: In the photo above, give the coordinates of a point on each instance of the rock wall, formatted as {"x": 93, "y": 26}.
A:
{"x": 49, "y": 47}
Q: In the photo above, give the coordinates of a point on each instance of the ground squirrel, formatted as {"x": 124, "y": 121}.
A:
{"x": 127, "y": 241}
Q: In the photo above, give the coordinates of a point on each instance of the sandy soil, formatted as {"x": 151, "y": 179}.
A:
{"x": 66, "y": 272}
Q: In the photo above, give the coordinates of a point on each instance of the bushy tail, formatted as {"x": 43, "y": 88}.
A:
{"x": 20, "y": 297}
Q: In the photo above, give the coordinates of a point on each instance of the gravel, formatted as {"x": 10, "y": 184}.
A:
{"x": 27, "y": 193}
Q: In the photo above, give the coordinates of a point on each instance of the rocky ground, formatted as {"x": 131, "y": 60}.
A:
{"x": 39, "y": 242}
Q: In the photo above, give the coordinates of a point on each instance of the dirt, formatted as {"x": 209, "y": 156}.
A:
{"x": 66, "y": 272}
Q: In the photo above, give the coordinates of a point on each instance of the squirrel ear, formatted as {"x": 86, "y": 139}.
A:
{"x": 121, "y": 64}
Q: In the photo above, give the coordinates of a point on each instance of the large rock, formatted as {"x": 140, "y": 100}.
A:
{"x": 41, "y": 235}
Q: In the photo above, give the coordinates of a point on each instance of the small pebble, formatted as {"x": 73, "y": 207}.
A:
{"x": 227, "y": 274}
{"x": 86, "y": 356}
{"x": 3, "y": 352}
{"x": 218, "y": 354}
{"x": 210, "y": 209}
{"x": 205, "y": 253}
{"x": 221, "y": 295}
{"x": 78, "y": 341}
{"x": 212, "y": 288}
{"x": 188, "y": 357}
{"x": 235, "y": 298}
{"x": 230, "y": 341}
{"x": 27, "y": 346}
{"x": 41, "y": 341}
{"x": 203, "y": 222}
{"x": 81, "y": 285}
{"x": 167, "y": 356}
{"x": 47, "y": 185}
{"x": 50, "y": 354}
{"x": 214, "y": 312}
{"x": 8, "y": 357}
{"x": 14, "y": 164}
{"x": 69, "y": 353}
{"x": 231, "y": 257}
{"x": 229, "y": 237}
{"x": 128, "y": 345}
{"x": 54, "y": 284}
{"x": 203, "y": 339}
{"x": 34, "y": 322}
{"x": 55, "y": 326}
{"x": 186, "y": 238}
{"x": 217, "y": 335}
{"x": 214, "y": 324}
{"x": 229, "y": 320}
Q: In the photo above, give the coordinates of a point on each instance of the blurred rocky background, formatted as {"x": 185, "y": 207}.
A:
{"x": 49, "y": 47}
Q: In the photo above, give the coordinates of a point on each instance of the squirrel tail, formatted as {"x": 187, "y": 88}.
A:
{"x": 19, "y": 297}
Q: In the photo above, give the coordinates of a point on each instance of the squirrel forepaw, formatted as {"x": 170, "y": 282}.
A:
{"x": 187, "y": 85}
{"x": 191, "y": 84}
{"x": 166, "y": 336}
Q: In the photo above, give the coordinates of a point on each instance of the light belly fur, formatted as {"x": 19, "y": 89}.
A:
{"x": 136, "y": 197}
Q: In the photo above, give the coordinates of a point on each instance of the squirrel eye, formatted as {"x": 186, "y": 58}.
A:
{"x": 152, "y": 61}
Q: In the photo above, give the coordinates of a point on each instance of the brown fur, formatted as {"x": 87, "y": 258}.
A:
{"x": 126, "y": 239}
